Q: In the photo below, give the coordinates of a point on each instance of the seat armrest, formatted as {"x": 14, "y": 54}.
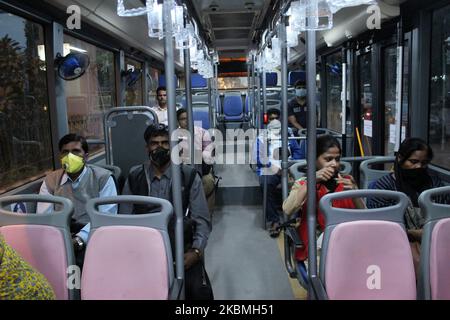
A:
{"x": 175, "y": 290}
{"x": 292, "y": 233}
{"x": 319, "y": 292}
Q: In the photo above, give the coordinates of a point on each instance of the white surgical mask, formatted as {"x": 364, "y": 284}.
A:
{"x": 300, "y": 92}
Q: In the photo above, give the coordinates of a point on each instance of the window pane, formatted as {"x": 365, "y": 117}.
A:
{"x": 133, "y": 91}
{"x": 25, "y": 136}
{"x": 390, "y": 110}
{"x": 365, "y": 89}
{"x": 154, "y": 75}
{"x": 439, "y": 132}
{"x": 334, "y": 89}
{"x": 93, "y": 94}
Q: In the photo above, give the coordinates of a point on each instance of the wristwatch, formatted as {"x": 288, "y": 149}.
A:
{"x": 79, "y": 242}
{"x": 198, "y": 252}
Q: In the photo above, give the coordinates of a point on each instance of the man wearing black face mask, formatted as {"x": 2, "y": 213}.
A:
{"x": 154, "y": 178}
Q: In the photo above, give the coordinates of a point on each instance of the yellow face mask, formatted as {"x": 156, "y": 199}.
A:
{"x": 72, "y": 163}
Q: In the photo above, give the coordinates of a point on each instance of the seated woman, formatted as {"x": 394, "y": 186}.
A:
{"x": 328, "y": 180}
{"x": 18, "y": 280}
{"x": 411, "y": 177}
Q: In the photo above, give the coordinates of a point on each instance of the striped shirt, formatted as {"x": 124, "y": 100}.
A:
{"x": 387, "y": 182}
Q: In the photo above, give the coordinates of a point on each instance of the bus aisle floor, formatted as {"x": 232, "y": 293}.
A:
{"x": 242, "y": 261}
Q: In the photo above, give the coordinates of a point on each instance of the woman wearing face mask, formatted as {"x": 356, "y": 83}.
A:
{"x": 328, "y": 180}
{"x": 267, "y": 154}
{"x": 411, "y": 177}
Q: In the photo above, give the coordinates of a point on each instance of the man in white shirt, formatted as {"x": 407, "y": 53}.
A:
{"x": 203, "y": 155}
{"x": 78, "y": 182}
{"x": 161, "y": 108}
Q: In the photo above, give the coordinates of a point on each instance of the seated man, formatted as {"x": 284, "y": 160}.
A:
{"x": 203, "y": 155}
{"x": 78, "y": 182}
{"x": 154, "y": 178}
{"x": 267, "y": 153}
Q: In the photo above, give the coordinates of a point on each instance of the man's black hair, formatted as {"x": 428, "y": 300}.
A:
{"x": 180, "y": 112}
{"x": 73, "y": 137}
{"x": 300, "y": 83}
{"x": 274, "y": 111}
{"x": 155, "y": 130}
{"x": 161, "y": 88}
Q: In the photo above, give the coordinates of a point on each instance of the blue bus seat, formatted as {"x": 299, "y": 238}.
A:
{"x": 294, "y": 76}
{"x": 201, "y": 114}
{"x": 271, "y": 79}
{"x": 233, "y": 108}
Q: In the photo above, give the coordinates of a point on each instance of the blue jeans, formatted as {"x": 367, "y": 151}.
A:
{"x": 273, "y": 197}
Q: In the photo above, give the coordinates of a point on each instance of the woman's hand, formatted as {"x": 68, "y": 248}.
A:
{"x": 349, "y": 183}
{"x": 324, "y": 174}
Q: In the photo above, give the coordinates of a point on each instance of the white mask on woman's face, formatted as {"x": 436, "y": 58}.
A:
{"x": 274, "y": 127}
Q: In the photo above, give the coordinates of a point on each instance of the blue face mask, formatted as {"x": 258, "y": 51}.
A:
{"x": 301, "y": 93}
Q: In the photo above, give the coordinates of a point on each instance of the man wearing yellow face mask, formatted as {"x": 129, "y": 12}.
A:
{"x": 79, "y": 182}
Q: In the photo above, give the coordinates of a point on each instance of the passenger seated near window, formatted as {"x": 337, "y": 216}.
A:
{"x": 203, "y": 156}
{"x": 267, "y": 153}
{"x": 18, "y": 280}
{"x": 410, "y": 176}
{"x": 154, "y": 178}
{"x": 78, "y": 182}
{"x": 328, "y": 180}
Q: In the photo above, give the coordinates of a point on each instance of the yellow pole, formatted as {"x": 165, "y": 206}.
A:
{"x": 359, "y": 142}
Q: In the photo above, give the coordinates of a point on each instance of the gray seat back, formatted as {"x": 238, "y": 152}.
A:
{"x": 298, "y": 169}
{"x": 124, "y": 136}
{"x": 368, "y": 174}
{"x": 364, "y": 248}
{"x": 156, "y": 220}
{"x": 433, "y": 282}
{"x": 43, "y": 240}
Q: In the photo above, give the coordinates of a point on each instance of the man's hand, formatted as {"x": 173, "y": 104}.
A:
{"x": 190, "y": 258}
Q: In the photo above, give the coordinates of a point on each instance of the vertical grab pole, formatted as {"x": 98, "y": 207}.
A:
{"x": 216, "y": 96}
{"x": 284, "y": 119}
{"x": 264, "y": 92}
{"x": 261, "y": 126}
{"x": 311, "y": 157}
{"x": 344, "y": 101}
{"x": 253, "y": 99}
{"x": 257, "y": 115}
{"x": 190, "y": 113}
{"x": 284, "y": 112}
{"x": 399, "y": 87}
{"x": 171, "y": 109}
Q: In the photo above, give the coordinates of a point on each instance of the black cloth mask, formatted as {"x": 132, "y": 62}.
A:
{"x": 413, "y": 182}
{"x": 331, "y": 184}
{"x": 160, "y": 156}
